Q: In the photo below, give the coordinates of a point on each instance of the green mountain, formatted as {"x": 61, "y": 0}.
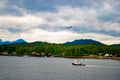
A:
{"x": 84, "y": 41}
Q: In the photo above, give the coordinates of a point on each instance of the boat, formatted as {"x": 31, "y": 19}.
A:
{"x": 78, "y": 64}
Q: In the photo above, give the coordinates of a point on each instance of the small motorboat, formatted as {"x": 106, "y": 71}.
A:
{"x": 78, "y": 64}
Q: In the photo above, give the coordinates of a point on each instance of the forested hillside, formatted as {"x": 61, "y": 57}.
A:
{"x": 59, "y": 49}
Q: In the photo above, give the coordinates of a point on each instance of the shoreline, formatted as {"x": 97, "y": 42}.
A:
{"x": 84, "y": 57}
{"x": 95, "y": 57}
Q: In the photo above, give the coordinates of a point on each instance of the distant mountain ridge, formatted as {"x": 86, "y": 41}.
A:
{"x": 115, "y": 44}
{"x": 84, "y": 41}
{"x": 18, "y": 41}
{"x": 75, "y": 42}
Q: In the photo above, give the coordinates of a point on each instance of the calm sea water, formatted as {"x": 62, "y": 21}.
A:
{"x": 36, "y": 68}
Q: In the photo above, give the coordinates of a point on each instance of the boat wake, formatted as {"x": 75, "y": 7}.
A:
{"x": 98, "y": 66}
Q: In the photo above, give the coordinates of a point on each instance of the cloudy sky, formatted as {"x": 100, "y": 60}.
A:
{"x": 46, "y": 20}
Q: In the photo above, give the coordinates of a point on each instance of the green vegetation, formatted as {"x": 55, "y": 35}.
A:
{"x": 61, "y": 50}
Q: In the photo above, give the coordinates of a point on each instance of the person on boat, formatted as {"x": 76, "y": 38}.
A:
{"x": 76, "y": 62}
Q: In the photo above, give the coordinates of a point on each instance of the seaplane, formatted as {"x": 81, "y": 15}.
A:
{"x": 69, "y": 27}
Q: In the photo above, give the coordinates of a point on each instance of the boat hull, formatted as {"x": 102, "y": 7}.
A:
{"x": 78, "y": 64}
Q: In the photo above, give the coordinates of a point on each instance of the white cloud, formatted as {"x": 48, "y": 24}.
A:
{"x": 112, "y": 26}
{"x": 42, "y": 35}
{"x": 64, "y": 16}
{"x": 2, "y": 4}
{"x": 64, "y": 36}
{"x": 57, "y": 37}
{"x": 21, "y": 22}
{"x": 87, "y": 17}
{"x": 6, "y": 35}
{"x": 107, "y": 7}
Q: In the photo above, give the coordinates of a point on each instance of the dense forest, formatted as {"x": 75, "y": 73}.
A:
{"x": 62, "y": 50}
